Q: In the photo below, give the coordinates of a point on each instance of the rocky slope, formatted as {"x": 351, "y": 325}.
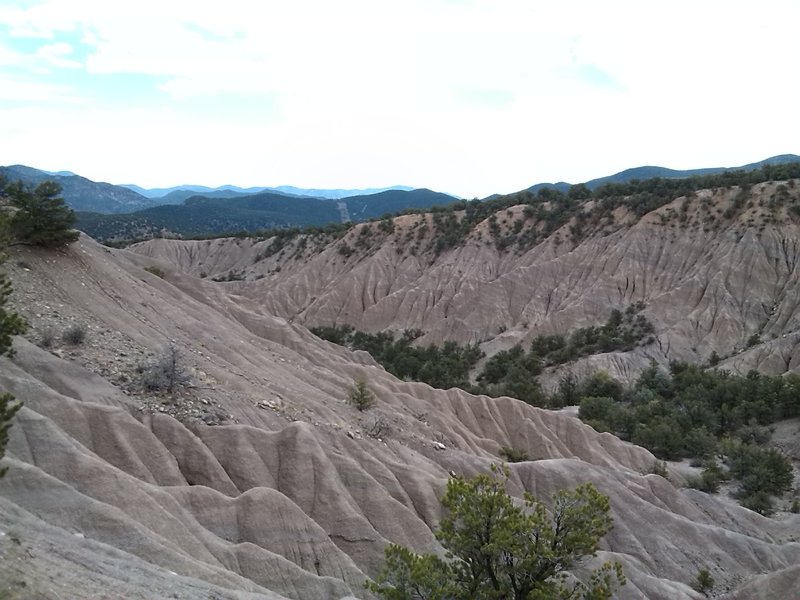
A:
{"x": 710, "y": 281}
{"x": 257, "y": 479}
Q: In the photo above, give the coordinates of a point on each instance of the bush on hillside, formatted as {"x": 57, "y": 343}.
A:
{"x": 157, "y": 271}
{"x": 496, "y": 548}
{"x": 360, "y": 395}
{"x": 165, "y": 372}
{"x": 74, "y": 335}
{"x": 513, "y": 455}
{"x": 704, "y": 582}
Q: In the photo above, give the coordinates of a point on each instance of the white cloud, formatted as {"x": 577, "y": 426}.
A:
{"x": 470, "y": 98}
{"x": 9, "y": 57}
{"x": 57, "y": 55}
{"x": 16, "y": 90}
{"x": 39, "y": 21}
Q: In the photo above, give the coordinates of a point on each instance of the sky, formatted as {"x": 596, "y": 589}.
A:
{"x": 465, "y": 97}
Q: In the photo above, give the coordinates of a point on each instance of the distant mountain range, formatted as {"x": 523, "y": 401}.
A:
{"x": 81, "y": 193}
{"x": 180, "y": 195}
{"x": 252, "y": 212}
{"x": 113, "y": 211}
{"x": 650, "y": 172}
{"x": 85, "y": 195}
{"x": 337, "y": 194}
{"x": 192, "y": 189}
{"x": 230, "y": 191}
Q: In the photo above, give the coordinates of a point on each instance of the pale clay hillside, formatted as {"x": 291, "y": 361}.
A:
{"x": 708, "y": 284}
{"x": 293, "y": 493}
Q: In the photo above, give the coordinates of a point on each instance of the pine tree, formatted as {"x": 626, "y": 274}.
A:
{"x": 360, "y": 396}
{"x": 42, "y": 218}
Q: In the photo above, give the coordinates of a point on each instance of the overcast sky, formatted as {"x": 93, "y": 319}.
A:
{"x": 466, "y": 97}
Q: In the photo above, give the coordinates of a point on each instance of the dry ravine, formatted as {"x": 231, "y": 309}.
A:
{"x": 256, "y": 479}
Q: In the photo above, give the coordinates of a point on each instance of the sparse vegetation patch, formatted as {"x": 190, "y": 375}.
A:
{"x": 443, "y": 367}
{"x": 513, "y": 372}
{"x": 513, "y": 455}
{"x": 693, "y": 413}
{"x": 157, "y": 271}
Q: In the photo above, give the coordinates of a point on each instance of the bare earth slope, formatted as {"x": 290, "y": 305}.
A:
{"x": 258, "y": 480}
{"x": 709, "y": 282}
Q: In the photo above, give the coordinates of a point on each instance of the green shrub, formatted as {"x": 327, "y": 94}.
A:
{"x": 496, "y": 548}
{"x": 442, "y": 366}
{"x": 230, "y": 276}
{"x": 704, "y": 583}
{"x": 660, "y": 468}
{"x": 709, "y": 480}
{"x": 568, "y": 393}
{"x": 360, "y": 396}
{"x": 693, "y": 412}
{"x": 11, "y": 323}
{"x": 622, "y": 332}
{"x": 594, "y": 408}
{"x": 753, "y": 340}
{"x": 513, "y": 455}
{"x": 8, "y": 408}
{"x": 760, "y": 502}
{"x": 700, "y": 442}
{"x": 386, "y": 225}
{"x": 601, "y": 384}
{"x": 662, "y": 436}
{"x": 157, "y": 271}
{"x": 759, "y": 470}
